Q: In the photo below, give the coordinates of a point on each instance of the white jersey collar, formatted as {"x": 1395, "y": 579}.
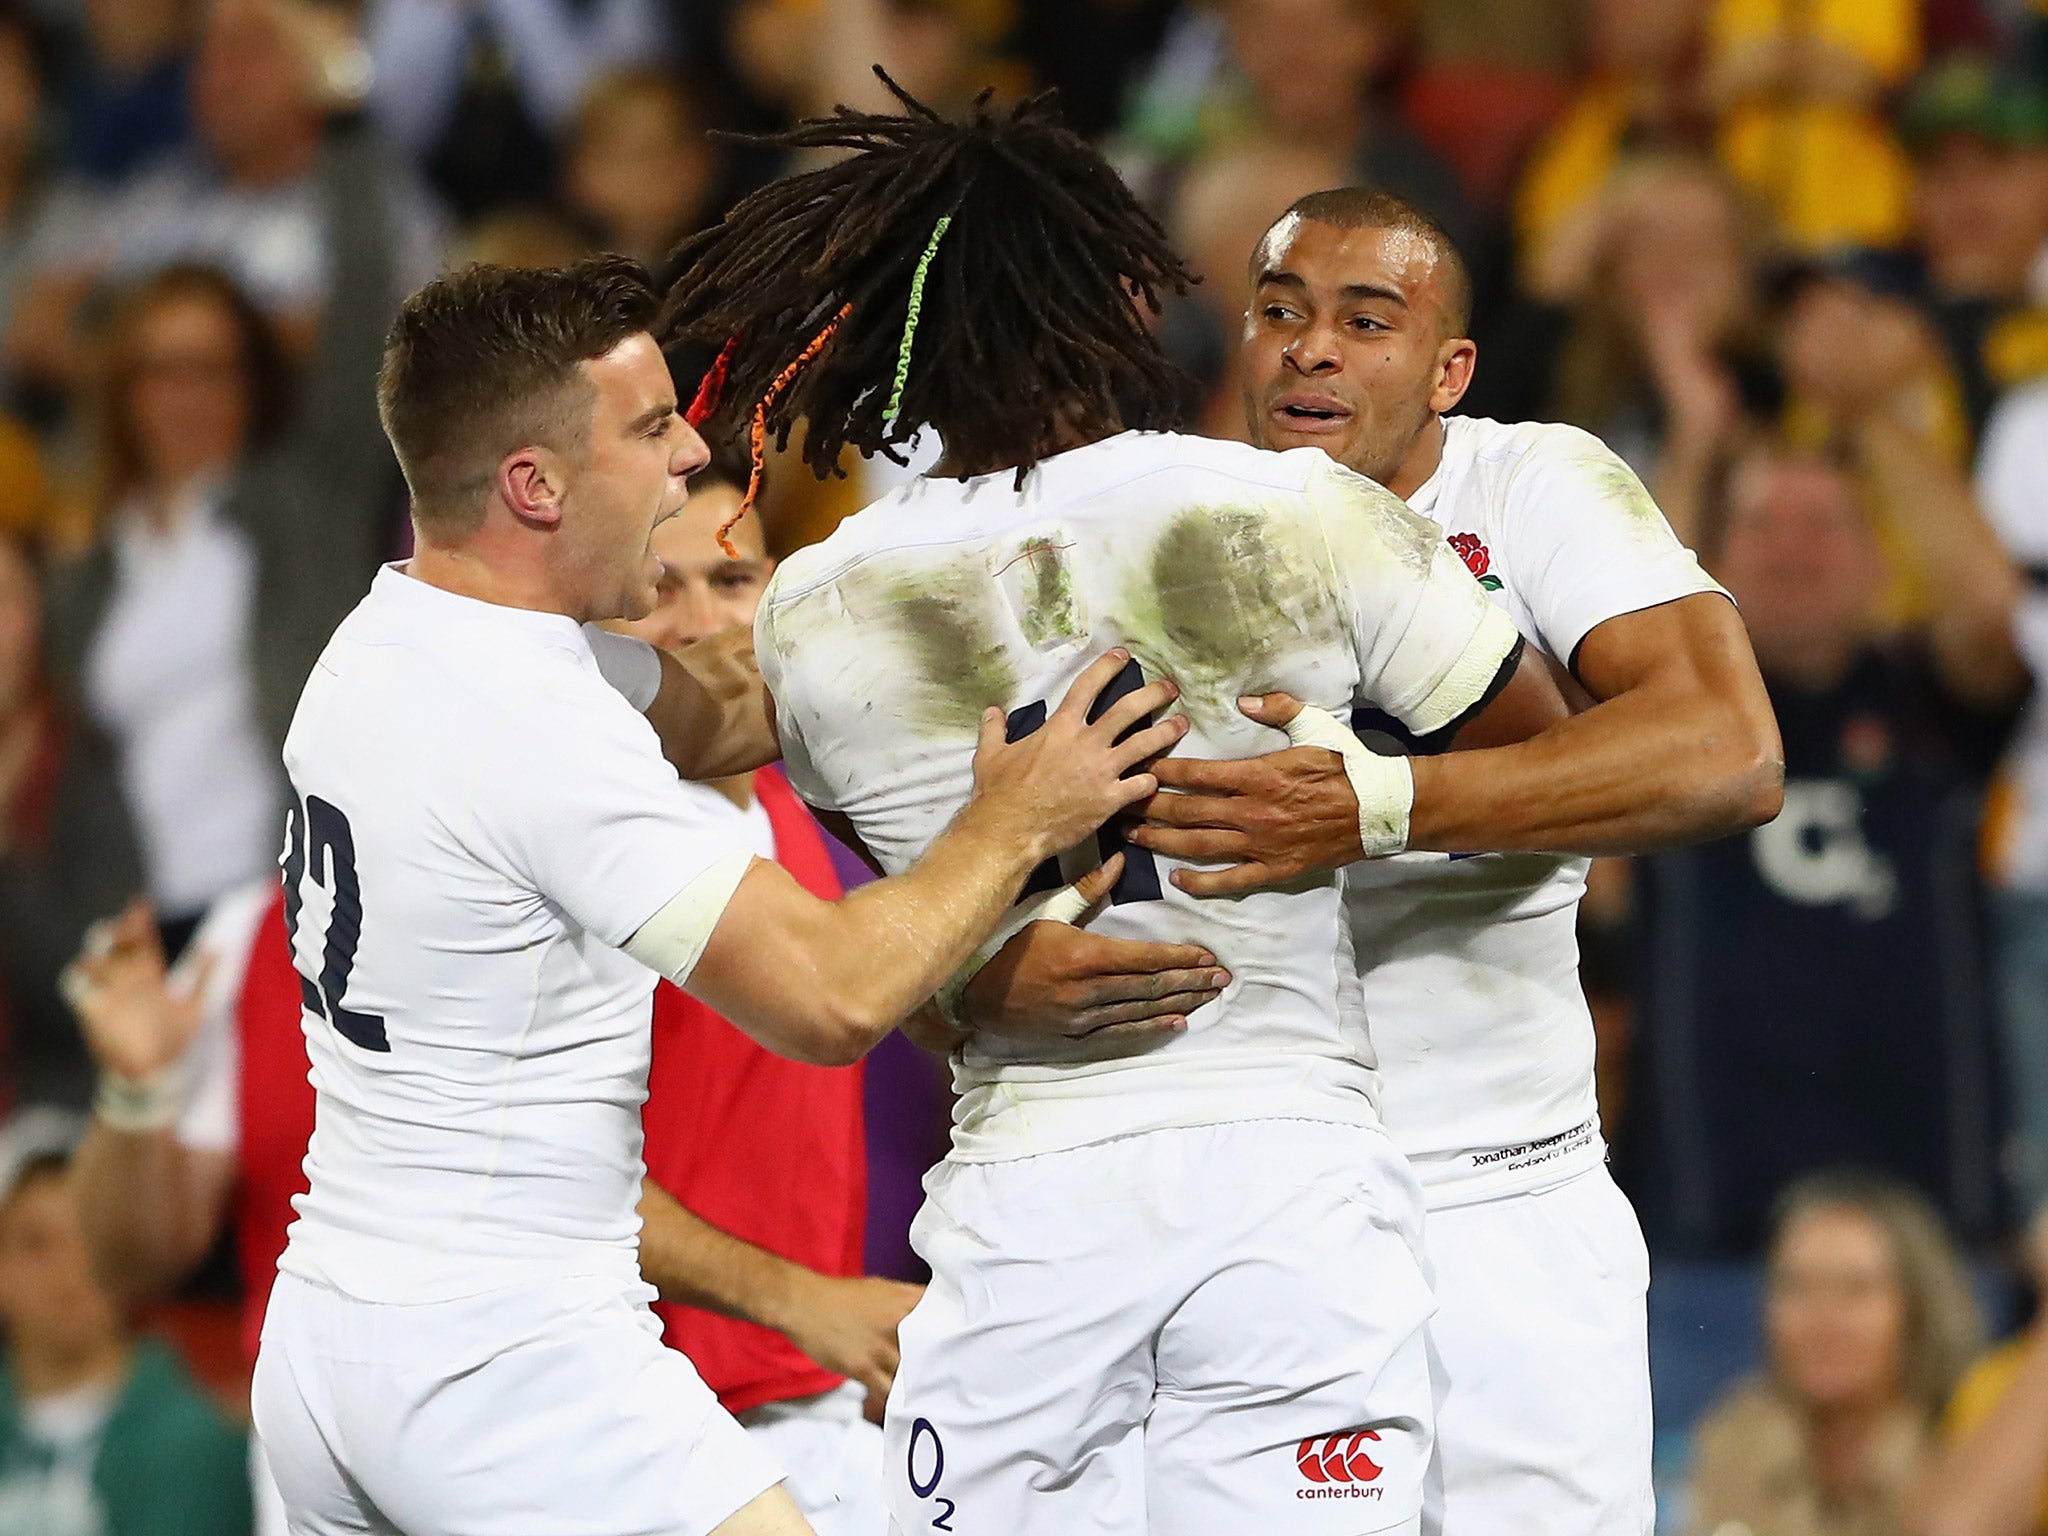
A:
{"x": 394, "y": 586}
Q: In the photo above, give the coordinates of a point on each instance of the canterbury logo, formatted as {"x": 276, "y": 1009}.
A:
{"x": 1337, "y": 1458}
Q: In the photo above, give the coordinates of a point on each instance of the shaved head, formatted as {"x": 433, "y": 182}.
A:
{"x": 1371, "y": 208}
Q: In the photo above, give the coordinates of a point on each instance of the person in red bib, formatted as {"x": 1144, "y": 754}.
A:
{"x": 755, "y": 1202}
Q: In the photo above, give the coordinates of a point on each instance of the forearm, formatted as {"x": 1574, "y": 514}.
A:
{"x": 142, "y": 1209}
{"x": 896, "y": 942}
{"x": 824, "y": 981}
{"x": 713, "y": 714}
{"x": 1989, "y": 1481}
{"x": 1639, "y": 772}
{"x": 694, "y": 1264}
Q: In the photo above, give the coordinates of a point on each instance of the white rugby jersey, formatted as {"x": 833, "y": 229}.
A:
{"x": 479, "y": 821}
{"x": 1470, "y": 964}
{"x": 1231, "y": 571}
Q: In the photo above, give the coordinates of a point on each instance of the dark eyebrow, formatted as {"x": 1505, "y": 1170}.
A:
{"x": 1373, "y": 291}
{"x": 650, "y": 416}
{"x": 1274, "y": 278}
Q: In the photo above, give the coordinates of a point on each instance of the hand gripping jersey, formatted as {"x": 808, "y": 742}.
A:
{"x": 1225, "y": 568}
{"x": 479, "y": 821}
{"x": 1470, "y": 964}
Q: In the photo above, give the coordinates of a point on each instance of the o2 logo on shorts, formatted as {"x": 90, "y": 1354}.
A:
{"x": 925, "y": 1461}
{"x": 1338, "y": 1466}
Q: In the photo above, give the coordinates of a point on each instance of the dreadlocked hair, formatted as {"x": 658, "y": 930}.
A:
{"x": 1029, "y": 320}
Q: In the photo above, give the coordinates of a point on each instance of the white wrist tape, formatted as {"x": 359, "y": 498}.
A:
{"x": 1060, "y": 906}
{"x": 1385, "y": 785}
{"x": 138, "y": 1104}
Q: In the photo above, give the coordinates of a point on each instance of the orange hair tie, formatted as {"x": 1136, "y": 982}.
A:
{"x": 757, "y": 433}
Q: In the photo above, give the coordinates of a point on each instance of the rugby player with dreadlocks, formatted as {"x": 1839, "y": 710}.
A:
{"x": 1175, "y": 1286}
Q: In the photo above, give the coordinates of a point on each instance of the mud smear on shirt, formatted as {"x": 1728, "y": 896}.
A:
{"x": 948, "y": 625}
{"x": 1226, "y": 593}
{"x": 1039, "y": 585}
{"x": 1622, "y": 490}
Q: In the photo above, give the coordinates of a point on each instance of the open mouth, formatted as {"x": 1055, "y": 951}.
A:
{"x": 1311, "y": 415}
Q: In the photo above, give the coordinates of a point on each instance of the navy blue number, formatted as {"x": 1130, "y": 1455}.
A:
{"x": 1140, "y": 879}
{"x": 926, "y": 1487}
{"x": 319, "y": 843}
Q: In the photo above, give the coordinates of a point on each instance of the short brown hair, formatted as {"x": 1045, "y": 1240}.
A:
{"x": 1375, "y": 208}
{"x": 485, "y": 361}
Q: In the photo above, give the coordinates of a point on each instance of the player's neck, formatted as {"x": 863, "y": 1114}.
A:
{"x": 1424, "y": 454}
{"x": 739, "y": 790}
{"x": 1067, "y": 433}
{"x": 468, "y": 572}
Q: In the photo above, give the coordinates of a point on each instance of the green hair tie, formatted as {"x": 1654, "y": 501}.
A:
{"x": 924, "y": 265}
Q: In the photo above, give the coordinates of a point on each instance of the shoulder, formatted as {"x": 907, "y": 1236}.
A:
{"x": 1561, "y": 475}
{"x": 1512, "y": 444}
{"x": 1213, "y": 463}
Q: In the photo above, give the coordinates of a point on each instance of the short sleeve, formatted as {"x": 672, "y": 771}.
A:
{"x": 1430, "y": 646}
{"x": 630, "y": 665}
{"x": 778, "y": 675}
{"x": 575, "y": 798}
{"x": 210, "y": 1120}
{"x": 1588, "y": 541}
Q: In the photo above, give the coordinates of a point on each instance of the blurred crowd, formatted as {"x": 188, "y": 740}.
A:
{"x": 1788, "y": 257}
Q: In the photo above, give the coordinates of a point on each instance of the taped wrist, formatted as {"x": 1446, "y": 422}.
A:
{"x": 1060, "y": 906}
{"x": 1385, "y": 786}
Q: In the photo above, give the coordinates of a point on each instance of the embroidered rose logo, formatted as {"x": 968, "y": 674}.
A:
{"x": 1476, "y": 559}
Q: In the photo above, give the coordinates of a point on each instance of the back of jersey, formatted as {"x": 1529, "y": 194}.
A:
{"x": 1231, "y": 571}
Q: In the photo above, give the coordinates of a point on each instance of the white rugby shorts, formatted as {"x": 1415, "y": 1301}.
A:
{"x": 1192, "y": 1332}
{"x": 832, "y": 1458}
{"x": 551, "y": 1410}
{"x": 1541, "y": 1350}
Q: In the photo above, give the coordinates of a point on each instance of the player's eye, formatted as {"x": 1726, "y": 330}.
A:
{"x": 1369, "y": 323}
{"x": 1279, "y": 312}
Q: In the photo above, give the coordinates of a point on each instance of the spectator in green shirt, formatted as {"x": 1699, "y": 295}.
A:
{"x": 100, "y": 1434}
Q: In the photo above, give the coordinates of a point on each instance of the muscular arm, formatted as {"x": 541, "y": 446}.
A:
{"x": 1679, "y": 745}
{"x": 847, "y": 1325}
{"x": 824, "y": 981}
{"x": 149, "y": 1206}
{"x": 713, "y": 713}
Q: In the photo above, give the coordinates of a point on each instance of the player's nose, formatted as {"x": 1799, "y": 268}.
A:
{"x": 689, "y": 453}
{"x": 1313, "y": 349}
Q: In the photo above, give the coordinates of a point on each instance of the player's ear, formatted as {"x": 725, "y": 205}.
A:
{"x": 1455, "y": 357}
{"x": 530, "y": 483}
